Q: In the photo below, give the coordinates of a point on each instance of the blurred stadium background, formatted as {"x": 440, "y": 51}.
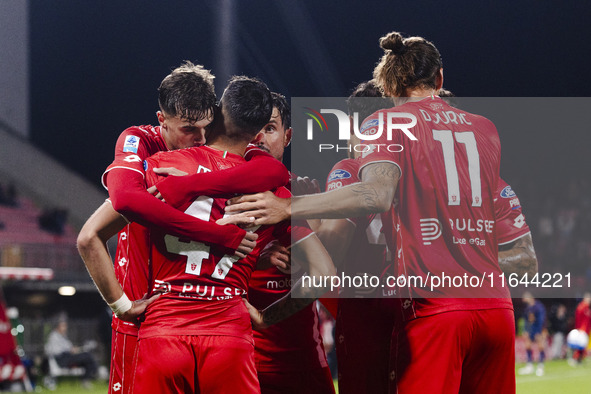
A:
{"x": 74, "y": 74}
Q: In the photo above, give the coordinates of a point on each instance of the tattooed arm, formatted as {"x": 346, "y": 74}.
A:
{"x": 373, "y": 194}
{"x": 518, "y": 257}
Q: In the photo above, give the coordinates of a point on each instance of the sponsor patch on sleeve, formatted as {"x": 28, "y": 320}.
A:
{"x": 370, "y": 127}
{"x": 507, "y": 192}
{"x": 339, "y": 174}
{"x": 131, "y": 144}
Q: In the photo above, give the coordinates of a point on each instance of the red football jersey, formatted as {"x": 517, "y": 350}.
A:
{"x": 133, "y": 146}
{"x": 294, "y": 344}
{"x": 583, "y": 317}
{"x": 368, "y": 252}
{"x": 444, "y": 221}
{"x": 511, "y": 223}
{"x": 198, "y": 279}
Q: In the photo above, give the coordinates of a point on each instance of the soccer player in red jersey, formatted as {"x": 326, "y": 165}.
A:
{"x": 187, "y": 100}
{"x": 444, "y": 179}
{"x": 583, "y": 323}
{"x": 365, "y": 316}
{"x": 197, "y": 336}
{"x": 289, "y": 355}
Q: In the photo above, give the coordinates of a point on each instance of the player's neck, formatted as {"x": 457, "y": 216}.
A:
{"x": 227, "y": 145}
{"x": 415, "y": 95}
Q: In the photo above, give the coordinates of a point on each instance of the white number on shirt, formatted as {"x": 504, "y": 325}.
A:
{"x": 446, "y": 138}
{"x": 197, "y": 252}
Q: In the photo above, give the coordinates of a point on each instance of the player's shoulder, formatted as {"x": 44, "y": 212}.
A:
{"x": 505, "y": 190}
{"x": 146, "y": 131}
{"x": 178, "y": 154}
{"x": 135, "y": 136}
{"x": 344, "y": 169}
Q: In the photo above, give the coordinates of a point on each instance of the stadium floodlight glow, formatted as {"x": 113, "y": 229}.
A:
{"x": 66, "y": 290}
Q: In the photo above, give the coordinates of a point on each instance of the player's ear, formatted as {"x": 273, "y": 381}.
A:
{"x": 287, "y": 138}
{"x": 439, "y": 81}
{"x": 160, "y": 117}
{"x": 257, "y": 138}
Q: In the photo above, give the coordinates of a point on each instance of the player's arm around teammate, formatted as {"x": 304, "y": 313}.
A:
{"x": 312, "y": 255}
{"x": 98, "y": 229}
{"x": 373, "y": 195}
{"x": 101, "y": 226}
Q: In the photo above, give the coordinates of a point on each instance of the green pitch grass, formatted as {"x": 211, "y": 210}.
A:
{"x": 559, "y": 377}
{"x": 72, "y": 386}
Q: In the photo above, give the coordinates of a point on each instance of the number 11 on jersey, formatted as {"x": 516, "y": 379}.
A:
{"x": 446, "y": 138}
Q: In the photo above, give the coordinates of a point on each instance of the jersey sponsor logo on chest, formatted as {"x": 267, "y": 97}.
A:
{"x": 432, "y": 229}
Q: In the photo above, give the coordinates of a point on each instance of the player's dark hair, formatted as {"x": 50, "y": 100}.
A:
{"x": 411, "y": 62}
{"x": 187, "y": 92}
{"x": 366, "y": 99}
{"x": 249, "y": 105}
{"x": 448, "y": 97}
{"x": 284, "y": 109}
{"x": 445, "y": 93}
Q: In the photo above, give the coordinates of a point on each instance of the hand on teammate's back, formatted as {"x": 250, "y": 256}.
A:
{"x": 304, "y": 185}
{"x": 265, "y": 207}
{"x": 247, "y": 245}
{"x": 276, "y": 255}
{"x": 256, "y": 317}
{"x": 137, "y": 309}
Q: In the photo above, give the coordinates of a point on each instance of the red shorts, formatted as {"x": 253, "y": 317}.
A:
{"x": 316, "y": 381}
{"x": 455, "y": 352}
{"x": 195, "y": 364}
{"x": 122, "y": 362}
{"x": 362, "y": 337}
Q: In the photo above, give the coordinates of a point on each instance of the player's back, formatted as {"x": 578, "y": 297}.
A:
{"x": 445, "y": 213}
{"x": 193, "y": 273}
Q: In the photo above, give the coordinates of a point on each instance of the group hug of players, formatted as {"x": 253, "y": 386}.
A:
{"x": 190, "y": 279}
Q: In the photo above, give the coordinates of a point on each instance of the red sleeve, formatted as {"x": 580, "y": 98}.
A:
{"x": 342, "y": 174}
{"x": 128, "y": 194}
{"x": 261, "y": 173}
{"x": 373, "y": 150}
{"x": 509, "y": 217}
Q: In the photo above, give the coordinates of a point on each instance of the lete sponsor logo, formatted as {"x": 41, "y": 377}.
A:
{"x": 339, "y": 174}
{"x": 507, "y": 192}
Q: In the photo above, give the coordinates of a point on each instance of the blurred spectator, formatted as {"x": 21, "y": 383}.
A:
{"x": 8, "y": 195}
{"x": 53, "y": 220}
{"x": 67, "y": 355}
{"x": 559, "y": 330}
